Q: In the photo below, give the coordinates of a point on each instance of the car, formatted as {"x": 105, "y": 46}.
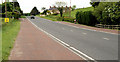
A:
{"x": 32, "y": 17}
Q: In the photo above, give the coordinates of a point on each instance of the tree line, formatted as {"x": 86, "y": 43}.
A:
{"x": 107, "y": 13}
{"x": 13, "y": 9}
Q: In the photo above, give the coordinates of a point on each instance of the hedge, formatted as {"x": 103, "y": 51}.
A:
{"x": 69, "y": 19}
{"x": 86, "y": 18}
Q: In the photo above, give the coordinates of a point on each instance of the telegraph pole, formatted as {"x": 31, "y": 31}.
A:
{"x": 70, "y": 9}
{"x": 2, "y": 1}
{"x": 5, "y": 9}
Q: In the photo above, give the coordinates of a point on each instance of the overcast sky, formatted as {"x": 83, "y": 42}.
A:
{"x": 27, "y": 5}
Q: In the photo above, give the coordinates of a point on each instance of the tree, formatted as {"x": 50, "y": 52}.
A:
{"x": 45, "y": 12}
{"x": 43, "y": 8}
{"x": 34, "y": 11}
{"x": 12, "y": 8}
{"x": 111, "y": 14}
{"x": 60, "y": 7}
{"x": 108, "y": 13}
{"x": 73, "y": 7}
{"x": 60, "y": 4}
{"x": 61, "y": 11}
{"x": 94, "y": 4}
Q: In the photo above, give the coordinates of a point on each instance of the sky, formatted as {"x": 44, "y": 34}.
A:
{"x": 27, "y": 5}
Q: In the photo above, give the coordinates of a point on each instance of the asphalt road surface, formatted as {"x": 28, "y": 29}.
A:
{"x": 98, "y": 45}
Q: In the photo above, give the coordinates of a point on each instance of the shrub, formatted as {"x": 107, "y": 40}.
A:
{"x": 60, "y": 18}
{"x": 69, "y": 19}
{"x": 9, "y": 14}
{"x": 108, "y": 13}
{"x": 16, "y": 15}
{"x": 86, "y": 18}
{"x": 55, "y": 14}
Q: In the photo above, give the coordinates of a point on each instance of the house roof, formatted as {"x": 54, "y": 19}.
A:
{"x": 53, "y": 9}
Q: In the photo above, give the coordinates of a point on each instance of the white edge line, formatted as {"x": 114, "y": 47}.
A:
{"x": 65, "y": 44}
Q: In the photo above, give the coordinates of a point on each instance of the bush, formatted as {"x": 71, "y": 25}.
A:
{"x": 60, "y": 18}
{"x": 69, "y": 19}
{"x": 86, "y": 18}
{"x": 55, "y": 14}
{"x": 26, "y": 14}
{"x": 9, "y": 14}
{"x": 108, "y": 13}
{"x": 16, "y": 15}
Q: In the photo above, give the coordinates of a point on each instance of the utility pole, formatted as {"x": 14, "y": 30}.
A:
{"x": 5, "y": 9}
{"x": 2, "y": 1}
{"x": 70, "y": 9}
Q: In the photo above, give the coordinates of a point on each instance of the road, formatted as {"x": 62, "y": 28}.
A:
{"x": 97, "y": 45}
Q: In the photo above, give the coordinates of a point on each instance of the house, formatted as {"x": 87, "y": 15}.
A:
{"x": 54, "y": 10}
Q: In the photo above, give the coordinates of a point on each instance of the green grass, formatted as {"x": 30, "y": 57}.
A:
{"x": 9, "y": 33}
{"x": 73, "y": 14}
{"x": 0, "y": 39}
{"x": 22, "y": 16}
{"x": 51, "y": 17}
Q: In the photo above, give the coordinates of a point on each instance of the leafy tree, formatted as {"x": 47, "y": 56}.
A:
{"x": 43, "y": 8}
{"x": 94, "y": 4}
{"x": 9, "y": 7}
{"x": 61, "y": 11}
{"x": 60, "y": 4}
{"x": 111, "y": 14}
{"x": 108, "y": 13}
{"x": 45, "y": 12}
{"x": 60, "y": 7}
{"x": 12, "y": 7}
{"x": 34, "y": 11}
{"x": 73, "y": 7}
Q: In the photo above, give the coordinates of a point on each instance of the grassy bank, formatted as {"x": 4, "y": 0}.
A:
{"x": 9, "y": 34}
{"x": 73, "y": 14}
{"x": 0, "y": 39}
{"x": 50, "y": 17}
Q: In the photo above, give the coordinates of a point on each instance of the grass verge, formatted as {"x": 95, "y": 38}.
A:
{"x": 9, "y": 34}
{"x": 53, "y": 18}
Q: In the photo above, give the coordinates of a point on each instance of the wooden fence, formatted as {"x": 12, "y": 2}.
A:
{"x": 108, "y": 26}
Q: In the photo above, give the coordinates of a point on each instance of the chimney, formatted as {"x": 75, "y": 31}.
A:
{"x": 54, "y": 7}
{"x": 50, "y": 6}
{"x": 14, "y": 0}
{"x": 66, "y": 6}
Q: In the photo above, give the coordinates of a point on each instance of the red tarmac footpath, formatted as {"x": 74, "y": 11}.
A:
{"x": 33, "y": 44}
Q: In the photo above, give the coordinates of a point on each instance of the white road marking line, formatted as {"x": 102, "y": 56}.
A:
{"x": 71, "y": 30}
{"x": 82, "y": 53}
{"x": 66, "y": 45}
{"x": 84, "y": 33}
{"x": 72, "y": 26}
{"x": 106, "y": 38}
{"x": 63, "y": 28}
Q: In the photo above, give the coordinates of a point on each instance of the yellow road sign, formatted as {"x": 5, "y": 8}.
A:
{"x": 6, "y": 20}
